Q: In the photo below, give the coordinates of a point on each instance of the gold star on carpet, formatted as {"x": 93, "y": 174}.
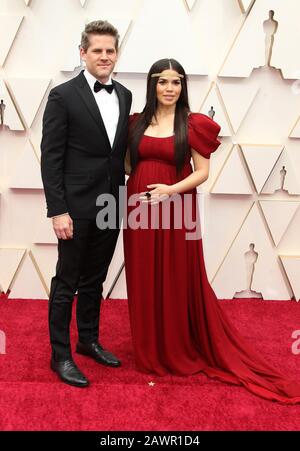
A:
{"x": 151, "y": 384}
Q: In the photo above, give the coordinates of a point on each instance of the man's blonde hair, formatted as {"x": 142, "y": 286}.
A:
{"x": 99, "y": 27}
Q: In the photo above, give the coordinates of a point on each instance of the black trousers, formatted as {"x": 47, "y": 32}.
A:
{"x": 82, "y": 266}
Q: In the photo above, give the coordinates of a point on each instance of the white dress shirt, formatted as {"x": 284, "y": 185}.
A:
{"x": 108, "y": 105}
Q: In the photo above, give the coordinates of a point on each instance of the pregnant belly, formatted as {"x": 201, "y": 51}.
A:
{"x": 148, "y": 172}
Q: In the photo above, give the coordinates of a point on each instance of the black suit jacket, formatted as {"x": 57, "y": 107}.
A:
{"x": 78, "y": 162}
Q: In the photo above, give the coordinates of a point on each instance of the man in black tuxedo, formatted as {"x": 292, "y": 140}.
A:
{"x": 84, "y": 142}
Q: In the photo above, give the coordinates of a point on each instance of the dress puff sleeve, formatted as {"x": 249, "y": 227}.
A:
{"x": 202, "y": 133}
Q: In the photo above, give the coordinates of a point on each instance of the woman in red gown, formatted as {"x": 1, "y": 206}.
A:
{"x": 177, "y": 324}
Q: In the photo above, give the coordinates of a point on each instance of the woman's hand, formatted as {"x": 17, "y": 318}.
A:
{"x": 159, "y": 192}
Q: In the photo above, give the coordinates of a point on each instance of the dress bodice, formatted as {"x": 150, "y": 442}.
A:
{"x": 202, "y": 137}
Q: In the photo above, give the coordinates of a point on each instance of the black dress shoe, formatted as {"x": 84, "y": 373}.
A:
{"x": 99, "y": 354}
{"x": 69, "y": 373}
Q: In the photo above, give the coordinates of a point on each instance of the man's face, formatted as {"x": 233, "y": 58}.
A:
{"x": 101, "y": 56}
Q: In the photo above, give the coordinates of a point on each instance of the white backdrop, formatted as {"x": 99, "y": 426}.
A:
{"x": 221, "y": 44}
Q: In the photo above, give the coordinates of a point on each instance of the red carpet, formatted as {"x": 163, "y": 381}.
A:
{"x": 32, "y": 398}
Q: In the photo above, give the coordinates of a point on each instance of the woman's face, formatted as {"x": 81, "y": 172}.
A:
{"x": 168, "y": 88}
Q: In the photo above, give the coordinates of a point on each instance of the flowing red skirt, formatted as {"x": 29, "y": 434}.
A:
{"x": 177, "y": 324}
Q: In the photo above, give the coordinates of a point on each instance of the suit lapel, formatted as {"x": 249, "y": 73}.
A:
{"x": 88, "y": 98}
{"x": 122, "y": 108}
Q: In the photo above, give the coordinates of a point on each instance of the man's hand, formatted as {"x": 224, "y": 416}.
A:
{"x": 63, "y": 227}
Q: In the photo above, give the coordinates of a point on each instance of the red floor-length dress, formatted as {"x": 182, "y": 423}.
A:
{"x": 177, "y": 325}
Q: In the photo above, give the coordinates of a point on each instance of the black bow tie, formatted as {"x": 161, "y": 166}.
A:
{"x": 98, "y": 86}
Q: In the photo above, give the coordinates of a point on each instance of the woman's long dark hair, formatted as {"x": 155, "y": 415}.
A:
{"x": 150, "y": 109}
